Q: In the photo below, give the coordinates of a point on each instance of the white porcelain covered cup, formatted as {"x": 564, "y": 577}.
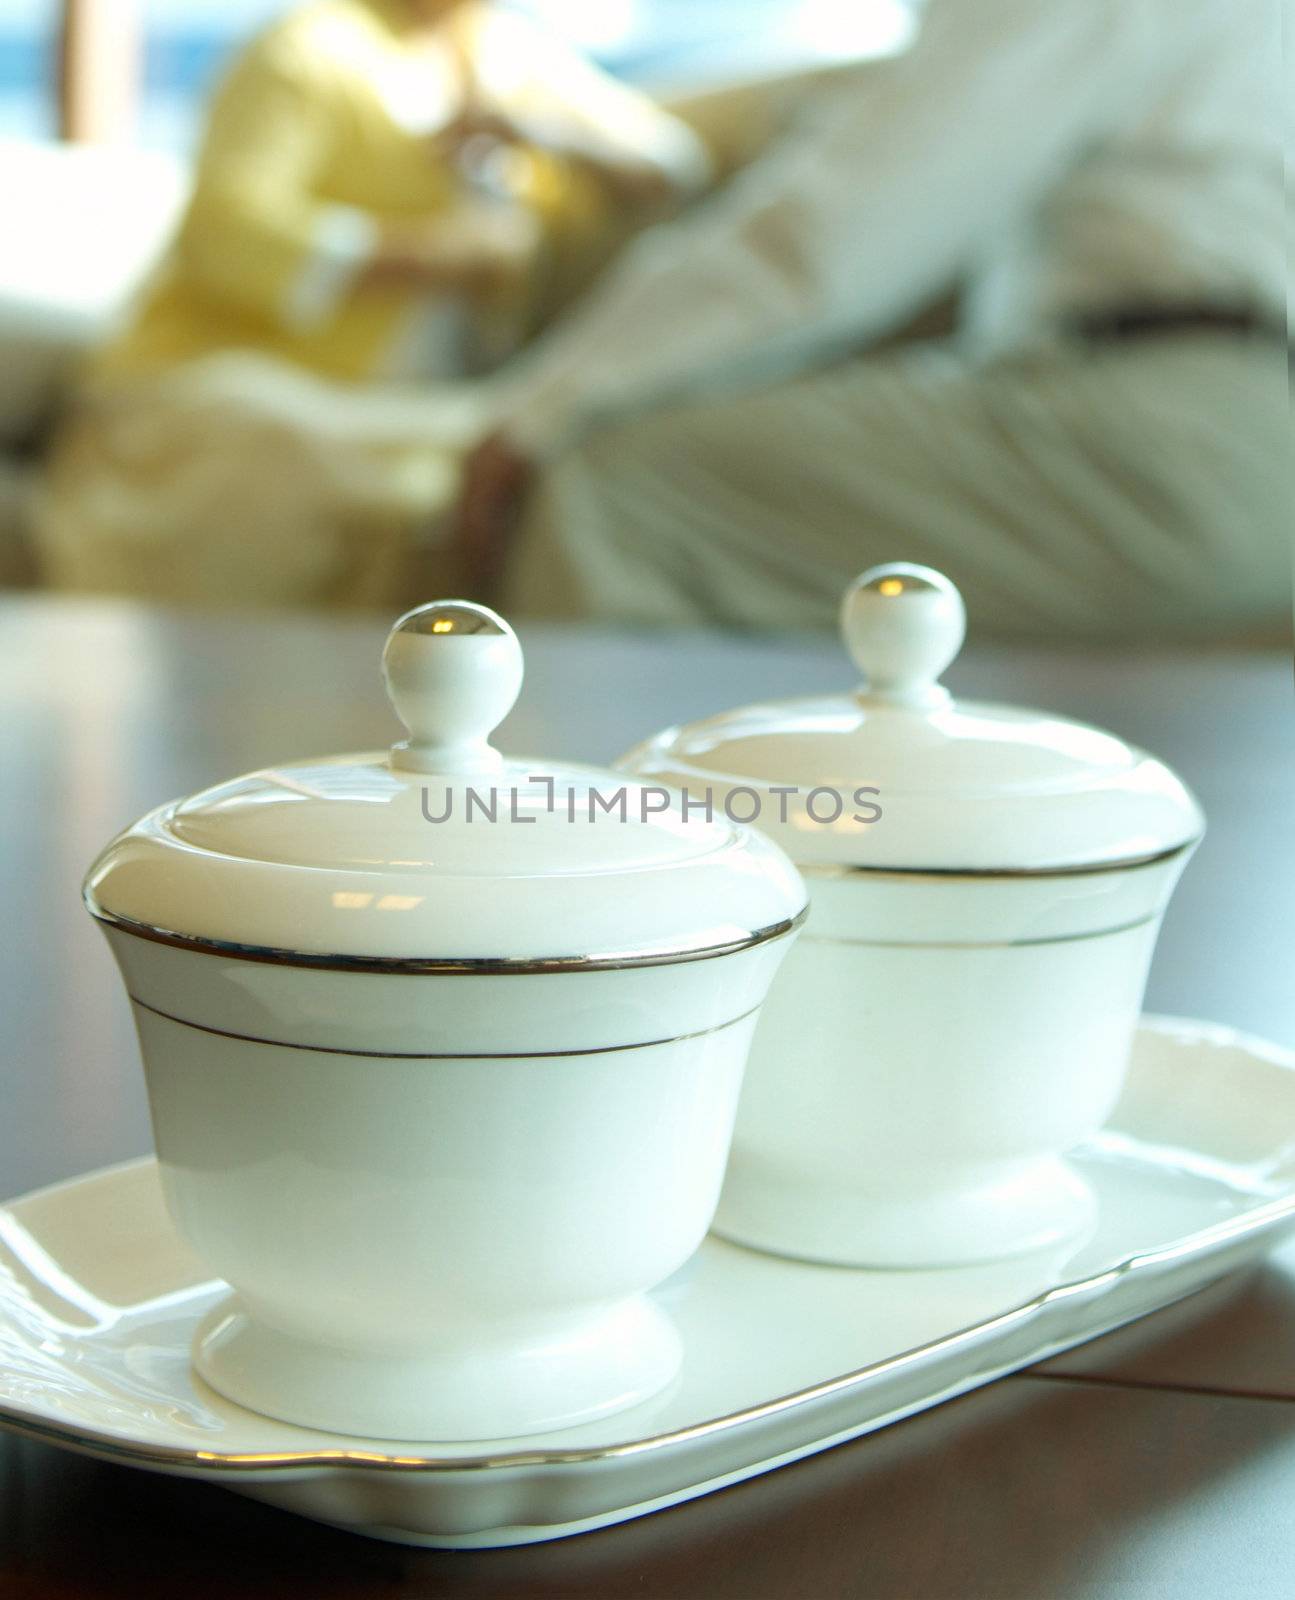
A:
{"x": 986, "y": 885}
{"x": 443, "y": 1053}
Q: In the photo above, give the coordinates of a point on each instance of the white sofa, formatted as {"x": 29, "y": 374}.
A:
{"x": 83, "y": 226}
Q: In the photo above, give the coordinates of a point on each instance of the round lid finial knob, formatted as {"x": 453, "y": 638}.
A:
{"x": 903, "y": 625}
{"x": 453, "y": 670}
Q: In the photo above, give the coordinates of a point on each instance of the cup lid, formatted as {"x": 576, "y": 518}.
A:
{"x": 899, "y": 776}
{"x": 441, "y": 853}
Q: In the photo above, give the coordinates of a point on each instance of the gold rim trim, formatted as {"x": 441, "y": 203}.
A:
{"x": 827, "y": 869}
{"x": 442, "y": 1055}
{"x": 447, "y": 966}
{"x": 1202, "y": 1243}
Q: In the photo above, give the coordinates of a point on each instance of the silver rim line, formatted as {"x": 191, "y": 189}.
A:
{"x": 443, "y": 1055}
{"x": 829, "y": 869}
{"x": 447, "y": 966}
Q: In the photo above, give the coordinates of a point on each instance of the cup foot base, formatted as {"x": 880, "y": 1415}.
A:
{"x": 1012, "y": 1212}
{"x": 467, "y": 1388}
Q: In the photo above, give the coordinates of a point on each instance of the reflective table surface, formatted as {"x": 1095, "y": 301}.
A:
{"x": 1159, "y": 1461}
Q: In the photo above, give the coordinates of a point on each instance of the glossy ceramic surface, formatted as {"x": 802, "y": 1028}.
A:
{"x": 896, "y": 775}
{"x": 929, "y": 1054}
{"x": 441, "y": 850}
{"x": 440, "y": 1198}
{"x": 987, "y": 886}
{"x": 441, "y": 1102}
{"x": 99, "y": 1300}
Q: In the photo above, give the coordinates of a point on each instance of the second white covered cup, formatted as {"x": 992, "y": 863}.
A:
{"x": 987, "y": 884}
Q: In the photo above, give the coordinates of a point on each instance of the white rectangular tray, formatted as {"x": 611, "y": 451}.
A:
{"x": 98, "y": 1299}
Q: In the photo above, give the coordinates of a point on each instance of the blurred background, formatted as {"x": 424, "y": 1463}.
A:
{"x": 270, "y": 275}
{"x": 174, "y": 49}
{"x": 102, "y": 110}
